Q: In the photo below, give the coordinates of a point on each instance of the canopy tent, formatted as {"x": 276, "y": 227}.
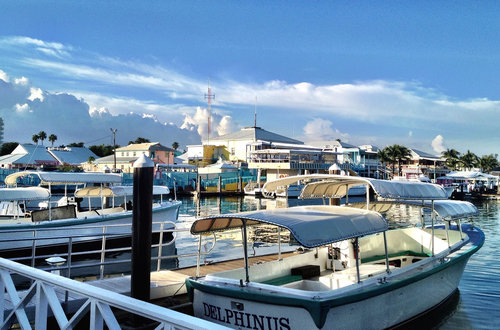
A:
{"x": 311, "y": 226}
{"x": 446, "y": 209}
{"x": 24, "y": 194}
{"x": 337, "y": 186}
{"x": 468, "y": 175}
{"x": 66, "y": 177}
{"x": 116, "y": 191}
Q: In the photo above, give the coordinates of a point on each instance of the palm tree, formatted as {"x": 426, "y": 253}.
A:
{"x": 452, "y": 158}
{"x": 403, "y": 154}
{"x": 52, "y": 138}
{"x": 35, "y": 138}
{"x": 383, "y": 157}
{"x": 42, "y": 136}
{"x": 392, "y": 154}
{"x": 488, "y": 162}
{"x": 469, "y": 160}
{"x": 175, "y": 145}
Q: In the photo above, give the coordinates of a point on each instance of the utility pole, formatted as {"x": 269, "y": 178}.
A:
{"x": 209, "y": 97}
{"x": 114, "y": 148}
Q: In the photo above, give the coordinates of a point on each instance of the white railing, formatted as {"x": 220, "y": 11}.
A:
{"x": 88, "y": 258}
{"x": 32, "y": 307}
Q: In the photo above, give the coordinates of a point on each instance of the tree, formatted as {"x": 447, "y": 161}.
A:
{"x": 469, "y": 160}
{"x": 488, "y": 162}
{"x": 139, "y": 140}
{"x": 452, "y": 158}
{"x": 52, "y": 138}
{"x": 8, "y": 147}
{"x": 77, "y": 144}
{"x": 397, "y": 154}
{"x": 35, "y": 138}
{"x": 383, "y": 157}
{"x": 175, "y": 145}
{"x": 42, "y": 136}
{"x": 91, "y": 159}
{"x": 102, "y": 150}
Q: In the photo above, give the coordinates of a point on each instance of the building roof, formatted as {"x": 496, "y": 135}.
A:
{"x": 256, "y": 133}
{"x": 72, "y": 155}
{"x": 144, "y": 147}
{"x": 422, "y": 154}
{"x": 28, "y": 154}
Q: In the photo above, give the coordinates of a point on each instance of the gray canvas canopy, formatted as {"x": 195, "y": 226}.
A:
{"x": 24, "y": 194}
{"x": 337, "y": 186}
{"x": 311, "y": 226}
{"x": 66, "y": 177}
{"x": 116, "y": 191}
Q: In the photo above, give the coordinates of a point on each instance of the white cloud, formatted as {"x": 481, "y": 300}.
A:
{"x": 410, "y": 133}
{"x": 4, "y": 76}
{"x": 35, "y": 93}
{"x": 438, "y": 144}
{"x": 227, "y": 125}
{"x": 219, "y": 125}
{"x": 22, "y": 107}
{"x": 320, "y": 131}
{"x": 21, "y": 81}
{"x": 54, "y": 49}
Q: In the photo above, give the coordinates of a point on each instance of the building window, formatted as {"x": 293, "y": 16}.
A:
{"x": 134, "y": 153}
{"x": 232, "y": 151}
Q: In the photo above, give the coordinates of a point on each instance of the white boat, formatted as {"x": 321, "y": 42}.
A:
{"x": 358, "y": 274}
{"x": 66, "y": 218}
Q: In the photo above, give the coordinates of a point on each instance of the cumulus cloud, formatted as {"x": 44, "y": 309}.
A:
{"x": 438, "y": 144}
{"x": 320, "y": 131}
{"x": 72, "y": 120}
{"x": 35, "y": 94}
{"x": 4, "y": 76}
{"x": 21, "y": 81}
{"x": 219, "y": 125}
{"x": 22, "y": 107}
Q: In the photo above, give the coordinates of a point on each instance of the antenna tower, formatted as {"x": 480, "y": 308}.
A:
{"x": 209, "y": 97}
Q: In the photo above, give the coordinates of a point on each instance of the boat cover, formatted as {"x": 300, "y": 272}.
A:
{"x": 24, "y": 194}
{"x": 336, "y": 186}
{"x": 446, "y": 209}
{"x": 116, "y": 191}
{"x": 311, "y": 226}
{"x": 66, "y": 177}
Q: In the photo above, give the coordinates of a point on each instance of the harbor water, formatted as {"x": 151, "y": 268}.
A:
{"x": 474, "y": 306}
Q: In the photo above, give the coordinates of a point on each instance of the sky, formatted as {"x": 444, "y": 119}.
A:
{"x": 424, "y": 74}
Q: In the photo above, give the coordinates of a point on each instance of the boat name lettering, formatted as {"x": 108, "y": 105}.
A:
{"x": 245, "y": 320}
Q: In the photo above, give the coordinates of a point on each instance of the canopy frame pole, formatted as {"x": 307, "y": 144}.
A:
{"x": 356, "y": 254}
{"x": 386, "y": 254}
{"x": 367, "y": 197}
{"x": 279, "y": 243}
{"x": 346, "y": 194}
{"x": 432, "y": 226}
{"x": 245, "y": 251}
{"x": 102, "y": 197}
{"x": 198, "y": 257}
{"x": 50, "y": 204}
{"x": 447, "y": 227}
{"x": 459, "y": 225}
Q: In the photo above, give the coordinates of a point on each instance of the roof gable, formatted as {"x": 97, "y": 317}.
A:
{"x": 256, "y": 133}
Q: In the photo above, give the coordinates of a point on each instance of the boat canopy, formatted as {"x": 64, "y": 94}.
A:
{"x": 337, "y": 186}
{"x": 446, "y": 209}
{"x": 311, "y": 226}
{"x": 116, "y": 191}
{"x": 66, "y": 177}
{"x": 24, "y": 194}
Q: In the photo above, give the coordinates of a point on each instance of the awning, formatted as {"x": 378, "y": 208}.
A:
{"x": 116, "y": 191}
{"x": 336, "y": 186}
{"x": 66, "y": 177}
{"x": 311, "y": 226}
{"x": 21, "y": 194}
{"x": 446, "y": 209}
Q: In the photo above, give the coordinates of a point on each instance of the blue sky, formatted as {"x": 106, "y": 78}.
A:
{"x": 424, "y": 74}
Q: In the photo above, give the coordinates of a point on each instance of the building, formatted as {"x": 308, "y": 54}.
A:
{"x": 35, "y": 156}
{"x": 236, "y": 147}
{"x": 126, "y": 156}
{"x": 423, "y": 163}
{"x": 363, "y": 159}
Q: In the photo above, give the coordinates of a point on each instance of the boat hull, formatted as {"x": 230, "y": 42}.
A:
{"x": 87, "y": 233}
{"x": 376, "y": 312}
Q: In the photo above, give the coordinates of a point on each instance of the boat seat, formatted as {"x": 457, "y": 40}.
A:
{"x": 283, "y": 280}
{"x": 408, "y": 253}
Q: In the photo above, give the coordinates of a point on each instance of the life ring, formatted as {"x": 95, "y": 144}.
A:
{"x": 283, "y": 176}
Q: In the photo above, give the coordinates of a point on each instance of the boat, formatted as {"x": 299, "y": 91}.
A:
{"x": 353, "y": 272}
{"x": 56, "y": 222}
